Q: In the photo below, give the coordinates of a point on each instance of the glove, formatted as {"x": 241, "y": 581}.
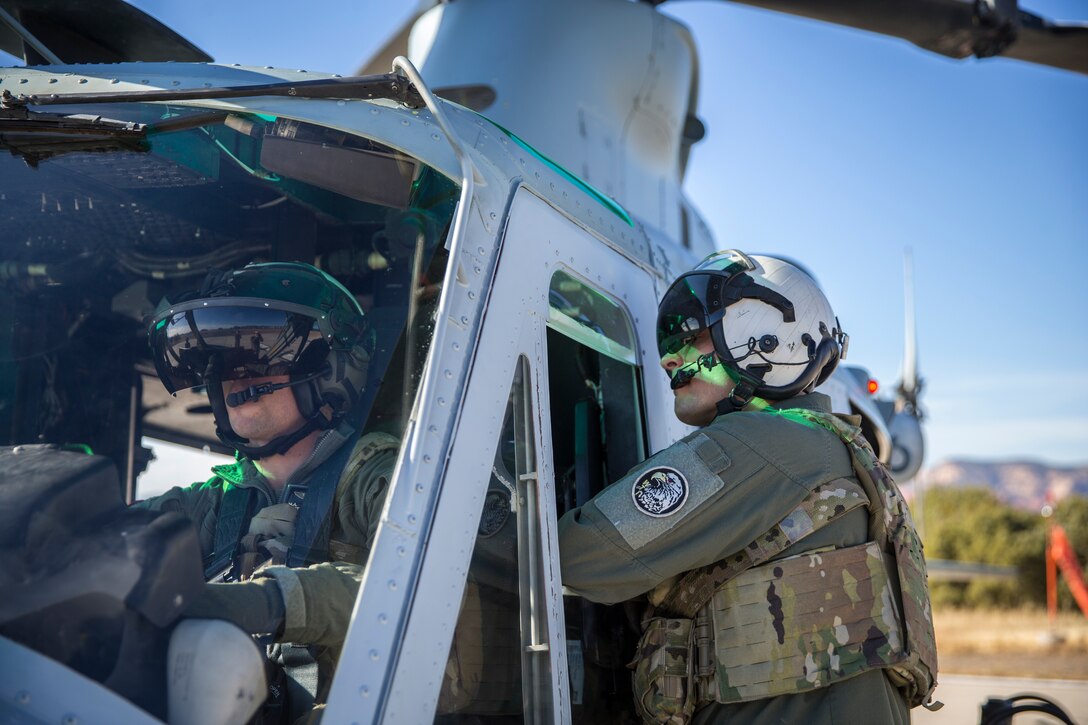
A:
{"x": 256, "y": 605}
{"x": 269, "y": 539}
{"x": 274, "y": 522}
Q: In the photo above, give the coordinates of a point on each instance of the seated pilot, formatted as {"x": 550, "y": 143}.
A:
{"x": 282, "y": 350}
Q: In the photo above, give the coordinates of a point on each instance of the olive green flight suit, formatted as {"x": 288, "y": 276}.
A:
{"x": 318, "y": 599}
{"x": 742, "y": 475}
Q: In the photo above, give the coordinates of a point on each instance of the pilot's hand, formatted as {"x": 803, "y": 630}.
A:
{"x": 269, "y": 539}
{"x": 256, "y": 605}
{"x": 275, "y": 522}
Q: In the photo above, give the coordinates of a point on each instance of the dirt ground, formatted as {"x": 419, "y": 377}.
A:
{"x": 1018, "y": 643}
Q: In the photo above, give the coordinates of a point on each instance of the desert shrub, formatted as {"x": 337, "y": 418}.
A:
{"x": 972, "y": 524}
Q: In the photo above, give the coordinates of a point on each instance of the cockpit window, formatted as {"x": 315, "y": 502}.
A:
{"x": 107, "y": 209}
{"x": 584, "y": 314}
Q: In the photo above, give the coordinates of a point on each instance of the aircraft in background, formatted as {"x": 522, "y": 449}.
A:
{"x": 507, "y": 224}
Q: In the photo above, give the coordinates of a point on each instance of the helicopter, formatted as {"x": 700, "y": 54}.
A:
{"x": 507, "y": 233}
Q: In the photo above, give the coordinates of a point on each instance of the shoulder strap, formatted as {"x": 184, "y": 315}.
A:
{"x": 823, "y": 505}
{"x": 886, "y": 502}
{"x": 235, "y": 511}
{"x": 314, "y": 523}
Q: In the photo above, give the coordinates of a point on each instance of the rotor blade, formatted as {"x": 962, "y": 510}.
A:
{"x": 105, "y": 31}
{"x": 956, "y": 28}
{"x": 1062, "y": 45}
{"x": 910, "y": 346}
{"x": 909, "y": 387}
{"x": 381, "y": 60}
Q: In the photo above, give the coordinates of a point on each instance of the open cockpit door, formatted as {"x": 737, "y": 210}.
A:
{"x": 553, "y": 410}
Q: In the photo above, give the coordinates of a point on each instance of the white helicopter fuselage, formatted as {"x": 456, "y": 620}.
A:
{"x": 528, "y": 237}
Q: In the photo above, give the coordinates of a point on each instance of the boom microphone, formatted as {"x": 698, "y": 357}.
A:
{"x": 255, "y": 391}
{"x": 687, "y": 373}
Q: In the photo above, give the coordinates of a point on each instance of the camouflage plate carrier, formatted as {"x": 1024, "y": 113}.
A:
{"x": 746, "y": 628}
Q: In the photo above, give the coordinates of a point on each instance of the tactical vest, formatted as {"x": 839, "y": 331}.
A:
{"x": 746, "y": 628}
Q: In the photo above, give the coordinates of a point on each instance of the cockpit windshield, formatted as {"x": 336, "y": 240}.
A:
{"x": 107, "y": 209}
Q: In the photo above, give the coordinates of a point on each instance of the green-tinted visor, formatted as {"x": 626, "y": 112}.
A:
{"x": 234, "y": 338}
{"x": 697, "y": 300}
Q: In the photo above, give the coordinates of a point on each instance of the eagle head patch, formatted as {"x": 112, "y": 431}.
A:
{"x": 660, "y": 491}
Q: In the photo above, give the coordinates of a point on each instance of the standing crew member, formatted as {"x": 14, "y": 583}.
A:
{"x": 785, "y": 580}
{"x": 282, "y": 350}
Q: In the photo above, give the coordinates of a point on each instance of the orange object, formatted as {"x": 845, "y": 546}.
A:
{"x": 1061, "y": 555}
{"x": 1051, "y": 586}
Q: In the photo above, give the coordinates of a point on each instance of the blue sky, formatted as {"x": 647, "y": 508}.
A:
{"x": 841, "y": 148}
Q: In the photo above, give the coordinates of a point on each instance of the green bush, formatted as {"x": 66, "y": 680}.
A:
{"x": 972, "y": 525}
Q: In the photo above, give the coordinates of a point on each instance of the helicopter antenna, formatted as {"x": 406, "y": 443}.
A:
{"x": 910, "y": 387}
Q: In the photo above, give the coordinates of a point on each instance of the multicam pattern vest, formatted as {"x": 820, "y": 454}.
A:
{"x": 746, "y": 628}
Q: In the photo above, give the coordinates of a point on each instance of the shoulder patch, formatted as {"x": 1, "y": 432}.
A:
{"x": 496, "y": 512}
{"x": 660, "y": 491}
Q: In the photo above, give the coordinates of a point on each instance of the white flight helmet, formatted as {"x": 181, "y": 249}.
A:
{"x": 772, "y": 327}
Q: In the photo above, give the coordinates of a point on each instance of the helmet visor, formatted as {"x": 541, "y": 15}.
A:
{"x": 682, "y": 313}
{"x": 231, "y": 341}
{"x": 696, "y": 300}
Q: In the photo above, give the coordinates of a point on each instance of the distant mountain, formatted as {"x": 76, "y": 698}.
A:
{"x": 1021, "y": 484}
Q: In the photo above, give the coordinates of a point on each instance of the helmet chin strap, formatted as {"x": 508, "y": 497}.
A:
{"x": 742, "y": 393}
{"x": 737, "y": 399}
{"x": 224, "y": 431}
{"x": 276, "y": 446}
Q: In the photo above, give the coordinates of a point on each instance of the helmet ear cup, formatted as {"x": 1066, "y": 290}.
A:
{"x": 308, "y": 394}
{"x": 342, "y": 384}
{"x": 834, "y": 355}
{"x": 339, "y": 384}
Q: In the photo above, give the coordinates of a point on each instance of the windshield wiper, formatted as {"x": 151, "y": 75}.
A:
{"x": 37, "y": 136}
{"x": 390, "y": 85}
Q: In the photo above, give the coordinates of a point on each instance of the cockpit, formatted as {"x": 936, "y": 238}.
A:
{"x": 109, "y": 212}
{"x": 105, "y": 217}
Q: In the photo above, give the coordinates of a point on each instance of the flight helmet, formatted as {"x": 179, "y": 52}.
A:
{"x": 265, "y": 320}
{"x": 772, "y": 327}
